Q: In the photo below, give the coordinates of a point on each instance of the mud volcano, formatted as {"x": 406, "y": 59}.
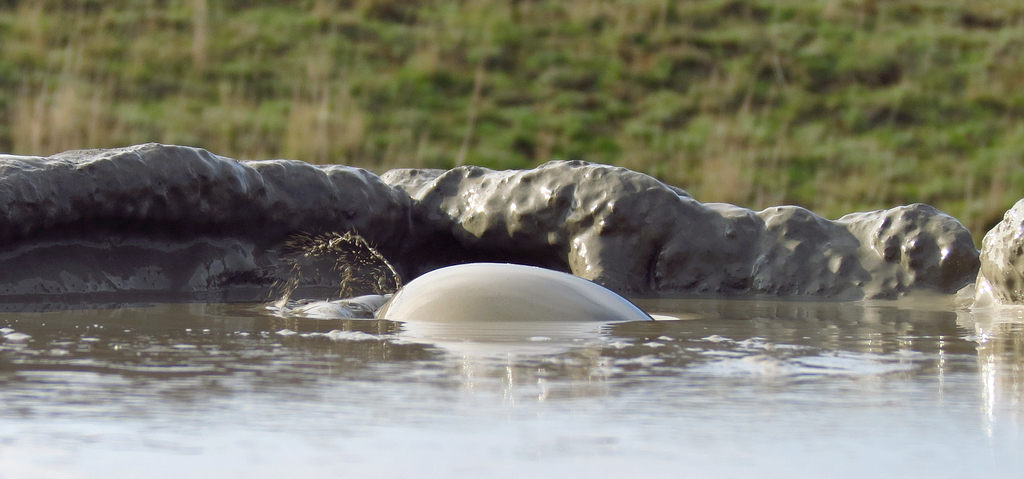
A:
{"x": 153, "y": 221}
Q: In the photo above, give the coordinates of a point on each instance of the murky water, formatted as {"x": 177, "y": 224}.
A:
{"x": 731, "y": 389}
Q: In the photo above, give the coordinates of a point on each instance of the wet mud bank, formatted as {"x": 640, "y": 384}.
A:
{"x": 172, "y": 222}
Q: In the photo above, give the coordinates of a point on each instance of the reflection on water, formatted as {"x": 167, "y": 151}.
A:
{"x": 999, "y": 334}
{"x": 761, "y": 388}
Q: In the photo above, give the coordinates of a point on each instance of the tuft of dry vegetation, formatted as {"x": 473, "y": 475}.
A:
{"x": 834, "y": 105}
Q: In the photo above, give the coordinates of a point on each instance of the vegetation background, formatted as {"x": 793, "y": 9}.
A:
{"x": 834, "y": 105}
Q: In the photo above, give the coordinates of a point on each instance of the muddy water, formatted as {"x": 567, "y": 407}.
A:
{"x": 730, "y": 389}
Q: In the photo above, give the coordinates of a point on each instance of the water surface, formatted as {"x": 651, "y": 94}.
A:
{"x": 742, "y": 388}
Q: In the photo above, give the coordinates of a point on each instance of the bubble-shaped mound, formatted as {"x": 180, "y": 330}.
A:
{"x": 495, "y": 292}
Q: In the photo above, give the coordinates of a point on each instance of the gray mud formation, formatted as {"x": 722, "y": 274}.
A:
{"x": 636, "y": 235}
{"x": 1001, "y": 278}
{"x": 171, "y": 222}
{"x": 180, "y": 223}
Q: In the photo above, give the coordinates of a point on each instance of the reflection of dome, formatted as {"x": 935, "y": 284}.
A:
{"x": 999, "y": 332}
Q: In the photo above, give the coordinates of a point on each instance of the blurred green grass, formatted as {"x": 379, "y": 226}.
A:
{"x": 834, "y": 105}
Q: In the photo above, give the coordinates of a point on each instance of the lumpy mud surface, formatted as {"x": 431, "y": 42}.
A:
{"x": 158, "y": 222}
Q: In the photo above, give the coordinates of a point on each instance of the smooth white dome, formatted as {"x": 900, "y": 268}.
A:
{"x": 506, "y": 293}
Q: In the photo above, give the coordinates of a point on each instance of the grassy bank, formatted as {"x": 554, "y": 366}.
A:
{"x": 835, "y": 105}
